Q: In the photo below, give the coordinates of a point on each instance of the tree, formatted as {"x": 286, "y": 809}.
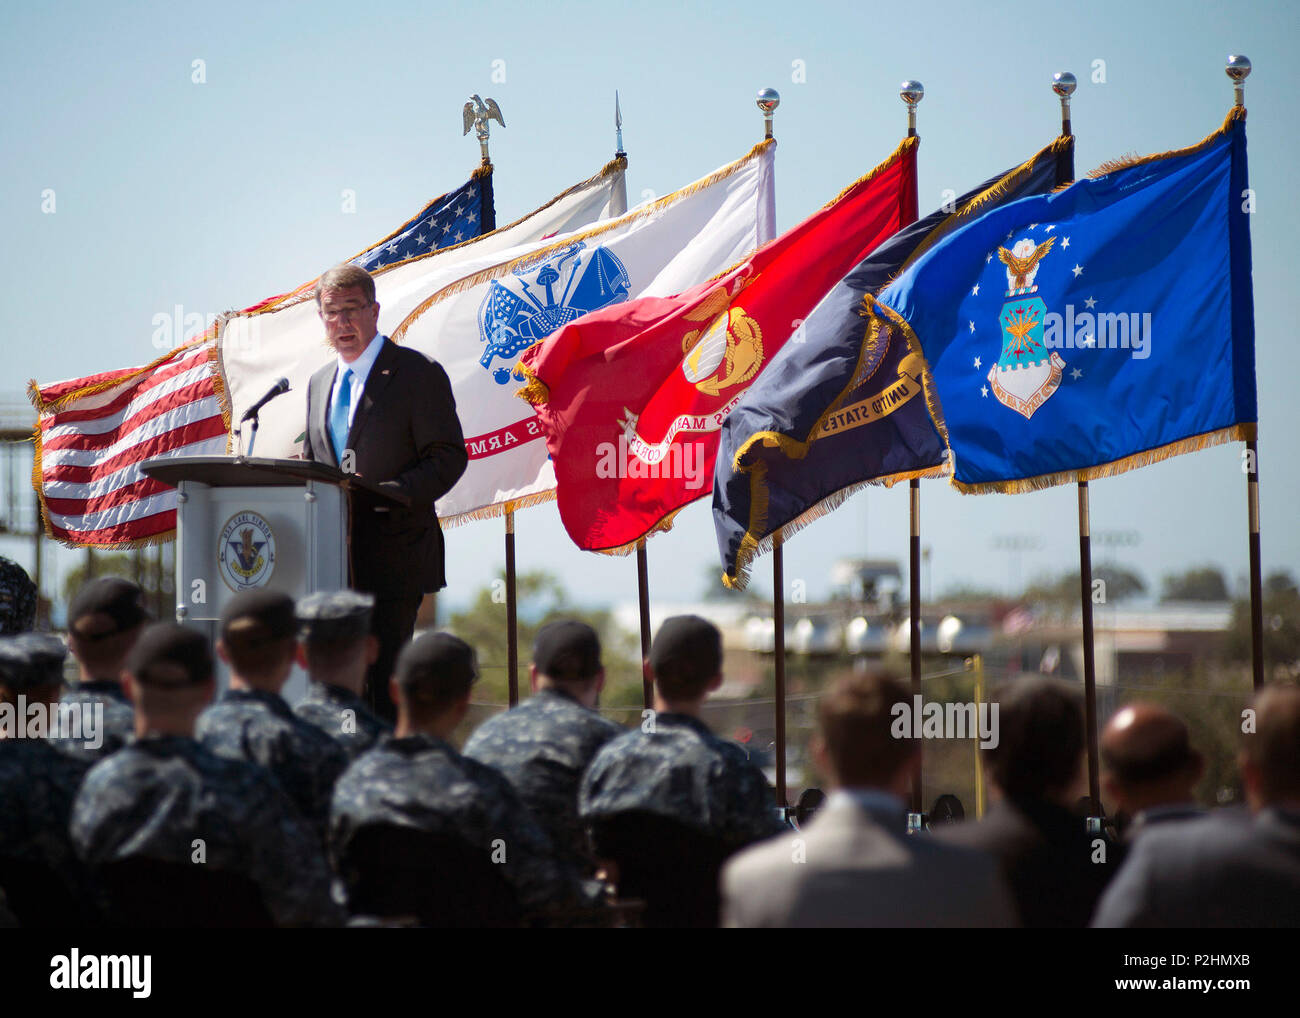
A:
{"x": 541, "y": 599}
{"x": 1121, "y": 584}
{"x": 1281, "y": 611}
{"x": 1203, "y": 584}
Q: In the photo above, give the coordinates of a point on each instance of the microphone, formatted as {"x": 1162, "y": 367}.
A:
{"x": 278, "y": 389}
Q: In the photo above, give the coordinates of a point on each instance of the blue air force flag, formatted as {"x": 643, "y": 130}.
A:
{"x": 1091, "y": 331}
{"x": 839, "y": 407}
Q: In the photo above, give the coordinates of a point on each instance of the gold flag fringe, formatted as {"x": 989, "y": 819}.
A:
{"x": 793, "y": 448}
{"x": 534, "y": 391}
{"x": 1126, "y": 162}
{"x": 489, "y": 512}
{"x": 752, "y": 547}
{"x": 532, "y": 258}
{"x": 1237, "y": 432}
{"x": 662, "y": 527}
{"x": 999, "y": 189}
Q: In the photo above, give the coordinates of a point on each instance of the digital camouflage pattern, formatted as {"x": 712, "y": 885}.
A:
{"x": 421, "y": 782}
{"x": 343, "y": 716}
{"x": 37, "y": 787}
{"x": 542, "y": 747}
{"x": 259, "y": 727}
{"x": 153, "y": 798}
{"x": 17, "y": 598}
{"x": 117, "y": 727}
{"x": 682, "y": 771}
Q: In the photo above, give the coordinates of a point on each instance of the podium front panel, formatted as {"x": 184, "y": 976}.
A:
{"x": 230, "y": 539}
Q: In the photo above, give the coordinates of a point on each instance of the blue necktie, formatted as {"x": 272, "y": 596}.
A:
{"x": 339, "y": 415}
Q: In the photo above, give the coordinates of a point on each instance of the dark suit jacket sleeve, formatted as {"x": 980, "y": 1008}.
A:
{"x": 435, "y": 429}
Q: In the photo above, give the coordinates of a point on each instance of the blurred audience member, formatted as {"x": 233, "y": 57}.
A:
{"x": 1056, "y": 870}
{"x": 1217, "y": 871}
{"x": 854, "y": 864}
{"x": 1149, "y": 768}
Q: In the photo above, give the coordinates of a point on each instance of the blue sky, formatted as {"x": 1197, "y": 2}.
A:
{"x": 213, "y": 195}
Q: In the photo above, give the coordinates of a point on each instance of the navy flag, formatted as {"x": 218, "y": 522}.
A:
{"x": 1094, "y": 330}
{"x": 840, "y": 407}
{"x": 457, "y": 217}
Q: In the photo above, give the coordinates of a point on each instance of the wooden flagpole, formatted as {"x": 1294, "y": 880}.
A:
{"x": 512, "y": 612}
{"x": 767, "y": 100}
{"x": 1238, "y": 69}
{"x": 1064, "y": 84}
{"x": 911, "y": 93}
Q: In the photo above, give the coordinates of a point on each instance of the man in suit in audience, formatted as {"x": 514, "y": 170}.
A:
{"x": 1149, "y": 768}
{"x": 854, "y": 863}
{"x": 1056, "y": 870}
{"x": 1221, "y": 870}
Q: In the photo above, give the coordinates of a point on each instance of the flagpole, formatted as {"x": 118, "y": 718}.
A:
{"x": 1238, "y": 69}
{"x": 618, "y": 199}
{"x": 767, "y": 100}
{"x": 643, "y": 605}
{"x": 911, "y": 92}
{"x": 1064, "y": 84}
{"x": 512, "y": 612}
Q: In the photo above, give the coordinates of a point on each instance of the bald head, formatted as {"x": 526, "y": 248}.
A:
{"x": 1148, "y": 759}
{"x": 1270, "y": 757}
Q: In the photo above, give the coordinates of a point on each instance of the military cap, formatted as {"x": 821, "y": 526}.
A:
{"x": 166, "y": 643}
{"x": 46, "y": 652}
{"x": 567, "y": 650}
{"x": 438, "y": 663}
{"x": 105, "y": 607}
{"x": 334, "y": 615}
{"x": 687, "y": 639}
{"x": 268, "y": 614}
{"x": 16, "y": 668}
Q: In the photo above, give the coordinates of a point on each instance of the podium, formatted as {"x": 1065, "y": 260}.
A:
{"x": 243, "y": 523}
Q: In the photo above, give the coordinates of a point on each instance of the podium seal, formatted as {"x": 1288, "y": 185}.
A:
{"x": 246, "y": 551}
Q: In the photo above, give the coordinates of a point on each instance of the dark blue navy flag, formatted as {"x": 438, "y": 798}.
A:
{"x": 1094, "y": 330}
{"x": 458, "y": 216}
{"x": 840, "y": 407}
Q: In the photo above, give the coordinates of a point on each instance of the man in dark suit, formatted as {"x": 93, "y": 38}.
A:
{"x": 1056, "y": 870}
{"x": 1149, "y": 768}
{"x": 386, "y": 414}
{"x": 1225, "y": 869}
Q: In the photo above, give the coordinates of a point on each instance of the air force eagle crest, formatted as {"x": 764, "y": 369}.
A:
{"x": 1027, "y": 373}
{"x": 520, "y": 311}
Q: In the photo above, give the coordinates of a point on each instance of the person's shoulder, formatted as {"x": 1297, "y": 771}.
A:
{"x": 407, "y": 358}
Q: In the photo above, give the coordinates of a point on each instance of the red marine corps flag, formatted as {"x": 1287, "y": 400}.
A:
{"x": 632, "y": 398}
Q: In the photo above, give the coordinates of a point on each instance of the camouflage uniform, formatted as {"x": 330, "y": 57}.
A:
{"x": 17, "y": 598}
{"x": 422, "y": 782}
{"x": 327, "y": 708}
{"x": 153, "y": 798}
{"x": 252, "y": 725}
{"x": 542, "y": 747}
{"x": 118, "y": 725}
{"x": 37, "y": 788}
{"x": 683, "y": 772}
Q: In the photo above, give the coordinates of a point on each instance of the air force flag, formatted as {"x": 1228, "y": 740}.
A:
{"x": 1091, "y": 331}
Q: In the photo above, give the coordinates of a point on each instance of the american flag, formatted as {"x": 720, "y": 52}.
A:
{"x": 93, "y": 433}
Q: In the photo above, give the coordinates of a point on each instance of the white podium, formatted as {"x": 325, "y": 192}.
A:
{"x": 244, "y": 523}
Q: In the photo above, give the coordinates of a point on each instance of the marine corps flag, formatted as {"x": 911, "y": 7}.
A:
{"x": 632, "y": 398}
{"x": 1091, "y": 331}
{"x": 840, "y": 408}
